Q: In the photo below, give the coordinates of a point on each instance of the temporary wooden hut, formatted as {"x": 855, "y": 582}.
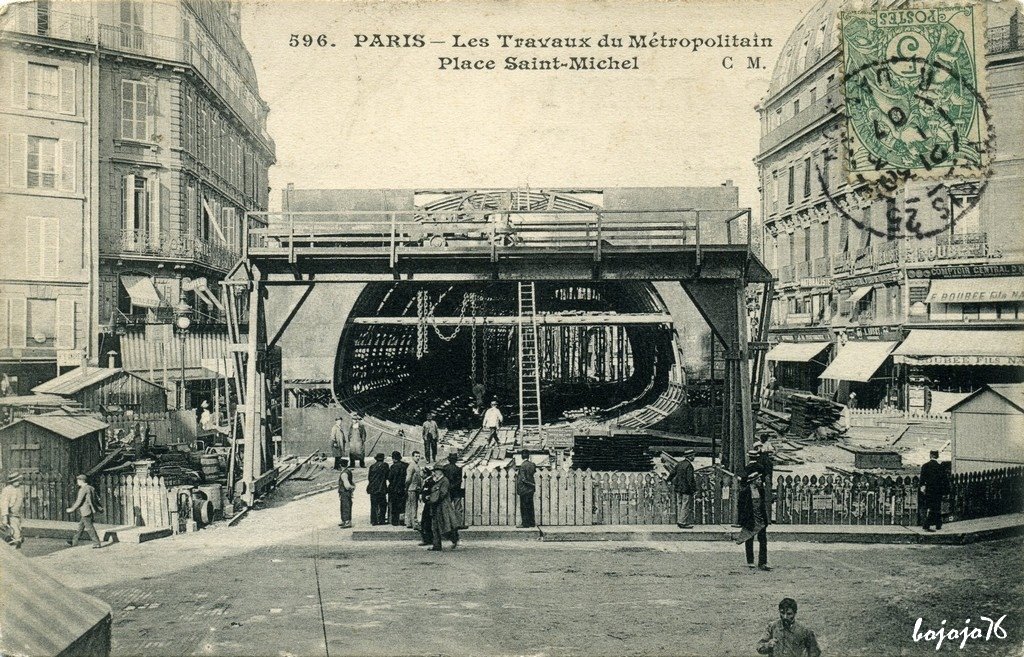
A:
{"x": 107, "y": 390}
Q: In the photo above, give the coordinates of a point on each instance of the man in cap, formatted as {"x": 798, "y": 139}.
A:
{"x": 492, "y": 422}
{"x": 377, "y": 487}
{"x": 357, "y": 442}
{"x": 753, "y": 519}
{"x": 86, "y": 506}
{"x": 430, "y": 436}
{"x": 453, "y": 473}
{"x": 396, "y": 488}
{"x": 525, "y": 487}
{"x": 337, "y": 443}
{"x": 934, "y": 484}
{"x": 685, "y": 485}
{"x": 12, "y": 505}
{"x": 345, "y": 489}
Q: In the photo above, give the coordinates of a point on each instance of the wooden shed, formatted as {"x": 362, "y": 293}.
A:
{"x": 59, "y": 443}
{"x": 988, "y": 428}
{"x": 107, "y": 390}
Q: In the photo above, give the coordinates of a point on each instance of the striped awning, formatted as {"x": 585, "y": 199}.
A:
{"x": 142, "y": 291}
{"x": 858, "y": 361}
{"x": 796, "y": 352}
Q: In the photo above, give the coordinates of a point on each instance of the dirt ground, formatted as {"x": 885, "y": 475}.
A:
{"x": 258, "y": 589}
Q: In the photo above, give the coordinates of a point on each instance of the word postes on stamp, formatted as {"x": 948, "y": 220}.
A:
{"x": 912, "y": 81}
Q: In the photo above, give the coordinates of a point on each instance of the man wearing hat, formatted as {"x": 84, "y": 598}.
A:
{"x": 453, "y": 473}
{"x": 753, "y": 518}
{"x": 934, "y": 484}
{"x": 686, "y": 485}
{"x": 525, "y": 487}
{"x": 86, "y": 506}
{"x": 396, "y": 488}
{"x": 12, "y": 505}
{"x": 413, "y": 483}
{"x": 346, "y": 486}
{"x": 444, "y": 523}
{"x": 430, "y": 435}
{"x": 357, "y": 442}
{"x": 492, "y": 422}
{"x": 377, "y": 487}
{"x": 337, "y": 443}
{"x": 426, "y": 520}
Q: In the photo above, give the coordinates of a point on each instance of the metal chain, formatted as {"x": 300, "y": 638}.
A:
{"x": 473, "y": 339}
{"x": 458, "y": 325}
{"x": 421, "y": 324}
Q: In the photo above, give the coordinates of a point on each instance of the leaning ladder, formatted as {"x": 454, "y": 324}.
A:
{"x": 529, "y": 372}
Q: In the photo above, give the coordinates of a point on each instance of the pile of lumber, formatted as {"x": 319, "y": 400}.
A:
{"x": 624, "y": 453}
{"x": 773, "y": 422}
{"x": 814, "y": 417}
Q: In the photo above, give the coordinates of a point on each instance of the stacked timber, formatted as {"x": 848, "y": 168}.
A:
{"x": 814, "y": 417}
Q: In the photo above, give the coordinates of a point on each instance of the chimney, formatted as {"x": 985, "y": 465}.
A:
{"x": 111, "y": 355}
{"x": 83, "y": 365}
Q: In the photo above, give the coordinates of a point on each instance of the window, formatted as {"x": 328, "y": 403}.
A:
{"x": 41, "y": 323}
{"x": 796, "y": 107}
{"x": 865, "y": 306}
{"x": 43, "y": 17}
{"x": 824, "y": 239}
{"x": 812, "y": 96}
{"x": 844, "y": 235}
{"x": 825, "y": 181}
{"x": 965, "y": 213}
{"x": 42, "y": 247}
{"x": 792, "y": 248}
{"x": 807, "y": 177}
{"x": 778, "y": 118}
{"x": 775, "y": 190}
{"x": 1007, "y": 310}
{"x": 865, "y": 230}
{"x": 136, "y": 119}
{"x": 807, "y": 244}
{"x": 42, "y": 163}
{"x": 792, "y": 181}
{"x": 43, "y": 87}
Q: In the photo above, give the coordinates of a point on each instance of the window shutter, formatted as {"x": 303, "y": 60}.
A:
{"x": 5, "y": 162}
{"x": 18, "y": 162}
{"x": 19, "y": 88}
{"x": 49, "y": 263}
{"x": 17, "y": 322}
{"x": 154, "y": 212}
{"x": 151, "y": 112}
{"x": 4, "y": 332}
{"x": 68, "y": 152}
{"x": 68, "y": 91}
{"x": 65, "y": 323}
{"x": 129, "y": 204}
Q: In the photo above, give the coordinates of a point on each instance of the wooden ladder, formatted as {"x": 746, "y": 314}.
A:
{"x": 529, "y": 372}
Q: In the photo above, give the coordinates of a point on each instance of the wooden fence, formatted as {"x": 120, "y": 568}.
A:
{"x": 142, "y": 501}
{"x": 642, "y": 498}
{"x": 126, "y": 499}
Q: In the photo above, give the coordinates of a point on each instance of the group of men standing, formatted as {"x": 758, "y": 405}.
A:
{"x": 350, "y": 445}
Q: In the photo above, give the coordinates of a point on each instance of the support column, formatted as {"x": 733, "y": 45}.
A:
{"x": 255, "y": 403}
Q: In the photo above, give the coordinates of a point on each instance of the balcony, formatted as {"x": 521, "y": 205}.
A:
{"x": 786, "y": 274}
{"x": 28, "y": 18}
{"x": 803, "y": 269}
{"x": 821, "y": 266}
{"x": 139, "y": 42}
{"x": 862, "y": 259}
{"x": 1006, "y": 38}
{"x": 842, "y": 263}
{"x": 173, "y": 245}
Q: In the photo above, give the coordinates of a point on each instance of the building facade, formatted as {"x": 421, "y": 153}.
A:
{"x": 135, "y": 140}
{"x": 859, "y": 306}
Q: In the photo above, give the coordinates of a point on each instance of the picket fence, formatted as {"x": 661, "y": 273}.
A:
{"x": 642, "y": 498}
{"x": 126, "y": 499}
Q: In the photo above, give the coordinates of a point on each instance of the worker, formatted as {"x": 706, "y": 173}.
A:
{"x": 346, "y": 486}
{"x": 478, "y": 392}
{"x": 357, "y": 442}
{"x": 377, "y": 487}
{"x": 396, "y": 488}
{"x": 685, "y": 486}
{"x": 431, "y": 433}
{"x": 413, "y": 483}
{"x": 525, "y": 488}
{"x": 86, "y": 505}
{"x": 12, "y": 506}
{"x": 457, "y": 493}
{"x": 492, "y": 422}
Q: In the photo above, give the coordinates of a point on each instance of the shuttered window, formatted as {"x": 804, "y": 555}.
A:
{"x": 42, "y": 247}
{"x": 43, "y": 87}
{"x": 16, "y": 310}
{"x": 41, "y": 163}
{"x": 66, "y": 323}
{"x": 136, "y": 110}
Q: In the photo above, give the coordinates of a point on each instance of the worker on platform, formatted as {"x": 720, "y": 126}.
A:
{"x": 685, "y": 484}
{"x": 492, "y": 422}
{"x": 337, "y": 443}
{"x": 431, "y": 432}
{"x": 12, "y": 507}
{"x": 525, "y": 488}
{"x": 396, "y": 488}
{"x": 346, "y": 486}
{"x": 377, "y": 487}
{"x": 357, "y": 442}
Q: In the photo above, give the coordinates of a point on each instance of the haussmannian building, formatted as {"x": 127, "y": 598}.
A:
{"x": 904, "y": 322}
{"x": 132, "y": 139}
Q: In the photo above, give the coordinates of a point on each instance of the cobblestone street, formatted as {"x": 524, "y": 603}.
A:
{"x": 257, "y": 589}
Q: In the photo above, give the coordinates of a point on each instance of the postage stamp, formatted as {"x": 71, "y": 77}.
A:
{"x": 913, "y": 85}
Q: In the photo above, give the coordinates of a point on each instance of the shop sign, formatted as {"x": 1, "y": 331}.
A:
{"x": 978, "y": 296}
{"x": 870, "y": 279}
{"x": 816, "y": 281}
{"x": 967, "y": 271}
{"x": 1014, "y": 361}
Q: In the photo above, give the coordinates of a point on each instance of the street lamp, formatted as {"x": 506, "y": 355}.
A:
{"x": 182, "y": 323}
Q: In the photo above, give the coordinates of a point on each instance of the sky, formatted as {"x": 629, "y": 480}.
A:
{"x": 366, "y": 117}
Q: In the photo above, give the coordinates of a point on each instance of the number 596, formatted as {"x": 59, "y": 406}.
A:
{"x": 308, "y": 40}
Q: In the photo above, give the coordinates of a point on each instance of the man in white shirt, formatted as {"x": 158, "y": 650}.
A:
{"x": 492, "y": 422}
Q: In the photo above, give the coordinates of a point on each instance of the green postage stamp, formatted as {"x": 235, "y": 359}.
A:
{"x": 913, "y": 85}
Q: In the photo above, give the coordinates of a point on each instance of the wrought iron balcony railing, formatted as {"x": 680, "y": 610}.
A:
{"x": 174, "y": 245}
{"x": 29, "y": 18}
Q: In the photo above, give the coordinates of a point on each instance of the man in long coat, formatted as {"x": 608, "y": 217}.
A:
{"x": 357, "y": 442}
{"x": 413, "y": 483}
{"x": 396, "y": 488}
{"x": 377, "y": 487}
{"x": 444, "y": 522}
{"x": 525, "y": 487}
{"x": 426, "y": 528}
{"x": 934, "y": 484}
{"x": 753, "y": 518}
{"x": 453, "y": 473}
{"x": 338, "y": 446}
{"x": 685, "y": 483}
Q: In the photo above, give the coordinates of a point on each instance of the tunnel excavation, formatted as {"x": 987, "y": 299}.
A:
{"x": 603, "y": 349}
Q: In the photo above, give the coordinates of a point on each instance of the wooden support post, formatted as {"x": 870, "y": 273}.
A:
{"x": 253, "y": 407}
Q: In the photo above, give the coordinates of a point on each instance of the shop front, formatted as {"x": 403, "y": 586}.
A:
{"x": 957, "y": 361}
{"x": 797, "y": 365}
{"x": 864, "y": 374}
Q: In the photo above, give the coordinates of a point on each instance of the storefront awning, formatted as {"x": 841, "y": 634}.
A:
{"x": 858, "y": 361}
{"x": 961, "y": 347}
{"x": 998, "y": 289}
{"x": 142, "y": 291}
{"x": 796, "y": 352}
{"x": 860, "y": 293}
